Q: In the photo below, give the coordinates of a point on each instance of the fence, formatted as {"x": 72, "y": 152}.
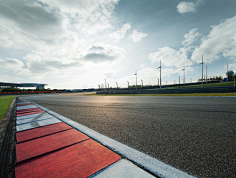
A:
{"x": 172, "y": 91}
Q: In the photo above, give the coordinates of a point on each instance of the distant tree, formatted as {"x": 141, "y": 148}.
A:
{"x": 11, "y": 90}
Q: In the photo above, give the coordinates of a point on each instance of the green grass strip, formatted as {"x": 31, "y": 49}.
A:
{"x": 5, "y": 102}
{"x": 189, "y": 94}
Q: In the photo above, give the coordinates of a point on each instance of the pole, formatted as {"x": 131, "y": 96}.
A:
{"x": 184, "y": 75}
{"x": 142, "y": 83}
{"x": 234, "y": 79}
{"x": 128, "y": 84}
{"x": 158, "y": 83}
{"x": 179, "y": 82}
{"x": 117, "y": 85}
{"x": 202, "y": 70}
{"x": 206, "y": 73}
{"x": 160, "y": 73}
{"x": 136, "y": 79}
{"x": 227, "y": 72}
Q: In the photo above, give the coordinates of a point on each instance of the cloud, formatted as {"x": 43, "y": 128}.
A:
{"x": 191, "y": 37}
{"x": 170, "y": 57}
{"x": 120, "y": 33}
{"x": 138, "y": 36}
{"x": 29, "y": 24}
{"x": 46, "y": 24}
{"x": 220, "y": 41}
{"x": 89, "y": 16}
{"x": 103, "y": 52}
{"x": 37, "y": 64}
{"x": 186, "y": 7}
{"x": 12, "y": 65}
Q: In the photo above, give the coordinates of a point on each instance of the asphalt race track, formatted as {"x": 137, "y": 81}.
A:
{"x": 194, "y": 134}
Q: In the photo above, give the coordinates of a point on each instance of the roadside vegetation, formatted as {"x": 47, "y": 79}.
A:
{"x": 20, "y": 90}
{"x": 4, "y": 104}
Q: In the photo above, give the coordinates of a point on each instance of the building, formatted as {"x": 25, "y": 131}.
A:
{"x": 22, "y": 85}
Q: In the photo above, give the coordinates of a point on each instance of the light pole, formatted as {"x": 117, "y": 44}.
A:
{"x": 206, "y": 73}
{"x": 227, "y": 72}
{"x": 190, "y": 80}
{"x": 142, "y": 83}
{"x": 117, "y": 85}
{"x": 105, "y": 84}
{"x": 108, "y": 86}
{"x": 202, "y": 70}
{"x": 234, "y": 78}
{"x": 136, "y": 79}
{"x": 158, "y": 83}
{"x": 160, "y": 73}
{"x": 184, "y": 75}
{"x": 128, "y": 84}
{"x": 179, "y": 82}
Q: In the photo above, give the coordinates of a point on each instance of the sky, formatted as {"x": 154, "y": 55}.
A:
{"x": 74, "y": 44}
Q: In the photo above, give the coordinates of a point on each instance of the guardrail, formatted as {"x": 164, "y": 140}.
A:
{"x": 173, "y": 91}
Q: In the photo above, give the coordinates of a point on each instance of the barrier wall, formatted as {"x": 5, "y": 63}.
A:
{"x": 29, "y": 92}
{"x": 172, "y": 91}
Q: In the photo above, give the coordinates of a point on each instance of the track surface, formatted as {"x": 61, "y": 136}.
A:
{"x": 194, "y": 134}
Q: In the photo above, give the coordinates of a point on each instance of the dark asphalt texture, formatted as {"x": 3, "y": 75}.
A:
{"x": 194, "y": 134}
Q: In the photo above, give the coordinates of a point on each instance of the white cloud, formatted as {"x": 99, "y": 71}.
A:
{"x": 120, "y": 33}
{"x": 103, "y": 52}
{"x": 56, "y": 37}
{"x": 186, "y": 7}
{"x": 89, "y": 16}
{"x": 170, "y": 57}
{"x": 29, "y": 24}
{"x": 12, "y": 65}
{"x": 191, "y": 37}
{"x": 138, "y": 36}
{"x": 220, "y": 41}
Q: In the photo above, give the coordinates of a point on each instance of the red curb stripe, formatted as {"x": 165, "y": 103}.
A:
{"x": 36, "y": 147}
{"x": 24, "y": 104}
{"x": 41, "y": 131}
{"x": 79, "y": 160}
{"x": 28, "y": 110}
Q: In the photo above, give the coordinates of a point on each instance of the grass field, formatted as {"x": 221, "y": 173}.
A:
{"x": 4, "y": 104}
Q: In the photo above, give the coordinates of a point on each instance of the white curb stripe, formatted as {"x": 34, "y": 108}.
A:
{"x": 122, "y": 168}
{"x": 44, "y": 116}
{"x": 28, "y": 116}
{"x": 25, "y": 102}
{"x": 36, "y": 124}
{"x": 147, "y": 162}
{"x": 25, "y": 107}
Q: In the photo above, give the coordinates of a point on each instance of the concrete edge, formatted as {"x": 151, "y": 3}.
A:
{"x": 148, "y": 163}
